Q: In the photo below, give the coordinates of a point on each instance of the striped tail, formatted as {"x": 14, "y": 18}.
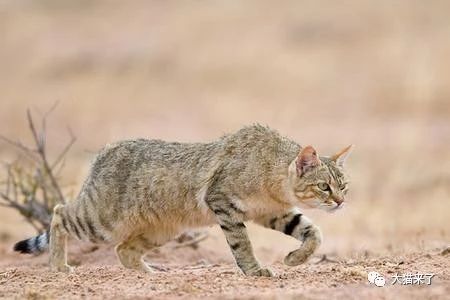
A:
{"x": 35, "y": 245}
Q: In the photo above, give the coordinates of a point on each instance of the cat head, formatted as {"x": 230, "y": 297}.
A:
{"x": 319, "y": 182}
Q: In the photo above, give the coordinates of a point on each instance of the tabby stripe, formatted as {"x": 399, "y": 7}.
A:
{"x": 96, "y": 233}
{"x": 235, "y": 246}
{"x": 91, "y": 230}
{"x": 219, "y": 211}
{"x": 230, "y": 223}
{"x": 236, "y": 209}
{"x": 226, "y": 228}
{"x": 289, "y": 228}
{"x": 306, "y": 232}
{"x": 74, "y": 227}
{"x": 82, "y": 227}
{"x": 79, "y": 217}
{"x": 230, "y": 226}
{"x": 240, "y": 224}
{"x": 335, "y": 176}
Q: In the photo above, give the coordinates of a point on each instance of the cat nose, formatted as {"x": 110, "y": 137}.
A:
{"x": 338, "y": 201}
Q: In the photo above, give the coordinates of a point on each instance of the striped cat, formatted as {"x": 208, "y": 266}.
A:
{"x": 142, "y": 193}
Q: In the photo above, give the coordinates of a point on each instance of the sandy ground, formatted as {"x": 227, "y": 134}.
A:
{"x": 207, "y": 273}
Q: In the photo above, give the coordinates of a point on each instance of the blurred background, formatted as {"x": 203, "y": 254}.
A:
{"x": 327, "y": 73}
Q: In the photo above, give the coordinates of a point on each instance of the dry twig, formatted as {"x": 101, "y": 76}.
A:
{"x": 326, "y": 259}
{"x": 190, "y": 239}
{"x": 32, "y": 187}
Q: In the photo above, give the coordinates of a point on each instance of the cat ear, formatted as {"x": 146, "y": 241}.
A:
{"x": 340, "y": 157}
{"x": 307, "y": 160}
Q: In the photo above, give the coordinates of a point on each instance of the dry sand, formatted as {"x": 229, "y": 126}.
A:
{"x": 207, "y": 273}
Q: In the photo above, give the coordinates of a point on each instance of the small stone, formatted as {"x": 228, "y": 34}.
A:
{"x": 446, "y": 251}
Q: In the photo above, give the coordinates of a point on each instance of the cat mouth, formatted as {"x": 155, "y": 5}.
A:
{"x": 337, "y": 207}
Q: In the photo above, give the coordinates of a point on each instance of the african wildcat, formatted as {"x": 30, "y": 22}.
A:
{"x": 141, "y": 193}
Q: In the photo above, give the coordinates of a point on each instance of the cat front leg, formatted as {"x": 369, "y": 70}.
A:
{"x": 230, "y": 219}
{"x": 237, "y": 238}
{"x": 295, "y": 224}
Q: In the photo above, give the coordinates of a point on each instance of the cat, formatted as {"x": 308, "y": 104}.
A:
{"x": 141, "y": 193}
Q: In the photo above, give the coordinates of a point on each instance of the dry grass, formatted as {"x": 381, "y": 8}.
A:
{"x": 327, "y": 73}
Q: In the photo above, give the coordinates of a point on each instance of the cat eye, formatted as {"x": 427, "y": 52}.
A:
{"x": 323, "y": 186}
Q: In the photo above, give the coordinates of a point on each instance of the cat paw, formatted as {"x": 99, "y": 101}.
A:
{"x": 296, "y": 258}
{"x": 263, "y": 272}
{"x": 63, "y": 269}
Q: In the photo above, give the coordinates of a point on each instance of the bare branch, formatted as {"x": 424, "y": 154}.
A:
{"x": 55, "y": 185}
{"x": 66, "y": 148}
{"x": 326, "y": 259}
{"x": 14, "y": 183}
{"x": 52, "y": 108}
{"x": 33, "y": 190}
{"x": 43, "y": 133}
{"x": 27, "y": 151}
{"x": 12, "y": 203}
{"x": 60, "y": 166}
{"x": 190, "y": 239}
{"x": 33, "y": 131}
{"x": 40, "y": 143}
{"x": 8, "y": 180}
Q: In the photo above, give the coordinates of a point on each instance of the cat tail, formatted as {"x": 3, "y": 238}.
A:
{"x": 35, "y": 245}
